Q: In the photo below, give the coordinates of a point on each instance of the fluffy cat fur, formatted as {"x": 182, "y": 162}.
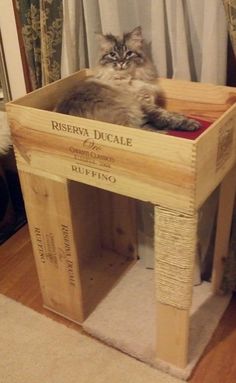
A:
{"x": 5, "y": 138}
{"x": 123, "y": 89}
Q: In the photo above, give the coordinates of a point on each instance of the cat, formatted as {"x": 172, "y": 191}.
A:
{"x": 5, "y": 137}
{"x": 123, "y": 89}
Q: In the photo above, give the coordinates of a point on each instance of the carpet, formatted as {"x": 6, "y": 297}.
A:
{"x": 126, "y": 319}
{"x": 37, "y": 349}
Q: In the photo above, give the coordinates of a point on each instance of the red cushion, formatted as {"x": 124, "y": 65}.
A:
{"x": 191, "y": 135}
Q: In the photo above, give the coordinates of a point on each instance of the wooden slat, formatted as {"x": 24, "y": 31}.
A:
{"x": 47, "y": 96}
{"x": 118, "y": 223}
{"x": 85, "y": 219}
{"x": 55, "y": 246}
{"x": 195, "y": 99}
{"x": 172, "y": 335}
{"x": 215, "y": 155}
{"x": 106, "y": 221}
{"x": 150, "y": 166}
{"x": 124, "y": 226}
{"x": 191, "y": 98}
{"x": 154, "y": 169}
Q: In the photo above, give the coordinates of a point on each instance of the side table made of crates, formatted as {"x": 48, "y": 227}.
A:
{"x": 80, "y": 180}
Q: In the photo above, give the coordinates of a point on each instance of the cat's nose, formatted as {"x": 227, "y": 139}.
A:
{"x": 121, "y": 65}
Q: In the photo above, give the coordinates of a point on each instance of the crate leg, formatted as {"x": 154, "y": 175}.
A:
{"x": 172, "y": 334}
{"x": 224, "y": 221}
{"x": 54, "y": 243}
{"x": 175, "y": 251}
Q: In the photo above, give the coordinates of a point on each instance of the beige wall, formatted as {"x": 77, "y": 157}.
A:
{"x": 11, "y": 49}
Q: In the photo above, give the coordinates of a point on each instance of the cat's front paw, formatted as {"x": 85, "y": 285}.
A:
{"x": 190, "y": 125}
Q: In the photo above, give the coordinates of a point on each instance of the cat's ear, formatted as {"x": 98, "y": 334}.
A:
{"x": 136, "y": 33}
{"x": 104, "y": 42}
{"x": 135, "y": 38}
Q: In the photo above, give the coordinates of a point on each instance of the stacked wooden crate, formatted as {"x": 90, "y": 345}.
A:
{"x": 81, "y": 179}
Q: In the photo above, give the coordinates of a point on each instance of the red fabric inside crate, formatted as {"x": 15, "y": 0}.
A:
{"x": 191, "y": 135}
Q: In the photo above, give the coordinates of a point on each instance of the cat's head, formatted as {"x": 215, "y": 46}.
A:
{"x": 122, "y": 54}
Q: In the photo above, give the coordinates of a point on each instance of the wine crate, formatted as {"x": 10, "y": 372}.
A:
{"x": 80, "y": 179}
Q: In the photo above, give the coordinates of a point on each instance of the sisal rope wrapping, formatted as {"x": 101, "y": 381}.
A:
{"x": 175, "y": 249}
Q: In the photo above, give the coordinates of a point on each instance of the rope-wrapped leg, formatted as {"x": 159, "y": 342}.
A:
{"x": 175, "y": 251}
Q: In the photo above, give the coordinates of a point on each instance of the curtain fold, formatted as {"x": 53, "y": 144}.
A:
{"x": 51, "y": 21}
{"x": 185, "y": 42}
{"x": 214, "y": 50}
{"x": 230, "y": 10}
{"x": 29, "y": 16}
{"x": 74, "y": 46}
{"x": 178, "y": 39}
{"x": 41, "y": 29}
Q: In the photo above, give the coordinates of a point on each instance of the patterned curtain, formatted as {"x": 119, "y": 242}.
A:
{"x": 230, "y": 9}
{"x": 40, "y": 25}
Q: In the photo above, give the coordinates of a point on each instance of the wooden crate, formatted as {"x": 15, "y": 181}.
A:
{"x": 80, "y": 231}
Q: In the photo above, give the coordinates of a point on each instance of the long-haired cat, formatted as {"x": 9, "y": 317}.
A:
{"x": 5, "y": 137}
{"x": 123, "y": 89}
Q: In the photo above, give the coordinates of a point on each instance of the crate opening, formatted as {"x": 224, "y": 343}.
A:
{"x": 106, "y": 240}
{"x": 126, "y": 315}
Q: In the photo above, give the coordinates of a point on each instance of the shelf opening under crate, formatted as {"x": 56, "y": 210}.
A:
{"x": 90, "y": 255}
{"x": 118, "y": 281}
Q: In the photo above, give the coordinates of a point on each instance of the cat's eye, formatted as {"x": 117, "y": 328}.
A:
{"x": 112, "y": 54}
{"x": 129, "y": 54}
